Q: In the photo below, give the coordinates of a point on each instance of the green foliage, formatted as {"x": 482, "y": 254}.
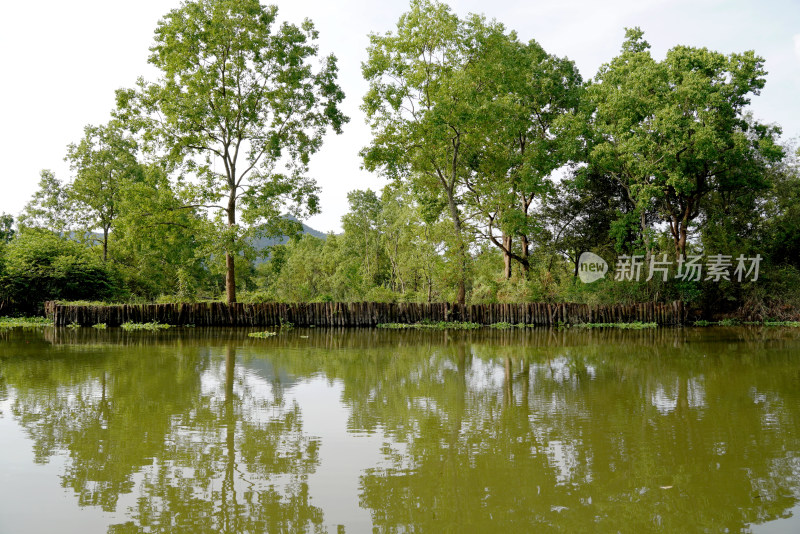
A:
{"x": 469, "y": 125}
{"x": 508, "y": 326}
{"x": 49, "y": 208}
{"x": 152, "y": 326}
{"x": 237, "y": 90}
{"x": 40, "y": 266}
{"x": 99, "y": 326}
{"x": 24, "y": 322}
{"x": 422, "y": 109}
{"x": 262, "y": 335}
{"x": 6, "y": 228}
{"x": 624, "y": 326}
{"x": 441, "y": 325}
{"x": 674, "y": 132}
{"x": 105, "y": 164}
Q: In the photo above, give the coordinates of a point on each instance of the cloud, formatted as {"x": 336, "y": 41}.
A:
{"x": 797, "y": 44}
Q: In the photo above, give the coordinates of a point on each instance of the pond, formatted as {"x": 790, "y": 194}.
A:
{"x": 364, "y": 430}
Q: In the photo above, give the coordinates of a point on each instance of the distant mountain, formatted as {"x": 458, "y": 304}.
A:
{"x": 265, "y": 242}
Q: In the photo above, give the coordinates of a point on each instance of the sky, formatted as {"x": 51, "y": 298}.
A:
{"x": 62, "y": 62}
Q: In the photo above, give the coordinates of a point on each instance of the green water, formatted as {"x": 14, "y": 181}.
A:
{"x": 314, "y": 430}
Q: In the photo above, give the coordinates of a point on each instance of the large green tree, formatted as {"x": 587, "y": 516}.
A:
{"x": 672, "y": 131}
{"x": 239, "y": 103}
{"x": 49, "y": 208}
{"x": 522, "y": 92}
{"x": 105, "y": 164}
{"x": 422, "y": 110}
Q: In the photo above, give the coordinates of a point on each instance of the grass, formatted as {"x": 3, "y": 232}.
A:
{"x": 153, "y": 326}
{"x": 441, "y": 325}
{"x": 625, "y": 326}
{"x": 24, "y": 322}
{"x": 83, "y": 303}
{"x": 262, "y": 334}
{"x": 99, "y": 326}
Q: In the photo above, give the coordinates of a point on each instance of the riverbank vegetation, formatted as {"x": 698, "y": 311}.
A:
{"x": 24, "y": 322}
{"x": 504, "y": 165}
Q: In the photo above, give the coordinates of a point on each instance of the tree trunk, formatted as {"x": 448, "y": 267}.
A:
{"x": 506, "y": 257}
{"x": 526, "y": 264}
{"x": 230, "y": 271}
{"x": 645, "y": 237}
{"x": 462, "y": 252}
{"x": 105, "y": 243}
{"x": 681, "y": 243}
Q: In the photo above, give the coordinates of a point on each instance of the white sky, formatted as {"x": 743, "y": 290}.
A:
{"x": 62, "y": 62}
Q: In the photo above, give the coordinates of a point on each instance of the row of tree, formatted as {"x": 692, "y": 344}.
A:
{"x": 499, "y": 156}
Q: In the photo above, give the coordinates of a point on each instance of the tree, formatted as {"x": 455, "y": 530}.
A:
{"x": 362, "y": 236}
{"x": 6, "y": 228}
{"x": 412, "y": 245}
{"x": 523, "y": 92}
{"x": 582, "y": 213}
{"x": 105, "y": 163}
{"x": 670, "y": 132}
{"x": 236, "y": 92}
{"x": 49, "y": 208}
{"x": 422, "y": 110}
{"x": 781, "y": 212}
{"x": 41, "y": 265}
{"x": 159, "y": 245}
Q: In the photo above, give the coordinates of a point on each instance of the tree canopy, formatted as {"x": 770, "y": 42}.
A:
{"x": 240, "y": 106}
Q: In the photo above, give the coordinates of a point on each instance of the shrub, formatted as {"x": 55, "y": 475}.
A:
{"x": 41, "y": 266}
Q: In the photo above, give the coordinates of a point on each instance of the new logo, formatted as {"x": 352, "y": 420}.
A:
{"x": 591, "y": 267}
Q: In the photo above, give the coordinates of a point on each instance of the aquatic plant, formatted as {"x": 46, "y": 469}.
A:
{"x": 440, "y": 325}
{"x": 262, "y": 334}
{"x": 625, "y": 326}
{"x": 24, "y": 322}
{"x": 152, "y": 326}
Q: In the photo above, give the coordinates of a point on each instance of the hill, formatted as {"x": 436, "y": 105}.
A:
{"x": 263, "y": 243}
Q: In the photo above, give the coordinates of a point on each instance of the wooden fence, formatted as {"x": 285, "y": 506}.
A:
{"x": 361, "y": 313}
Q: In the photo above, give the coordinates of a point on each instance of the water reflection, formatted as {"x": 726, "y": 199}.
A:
{"x": 481, "y": 431}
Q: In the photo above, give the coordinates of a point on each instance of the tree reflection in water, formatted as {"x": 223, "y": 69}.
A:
{"x": 484, "y": 431}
